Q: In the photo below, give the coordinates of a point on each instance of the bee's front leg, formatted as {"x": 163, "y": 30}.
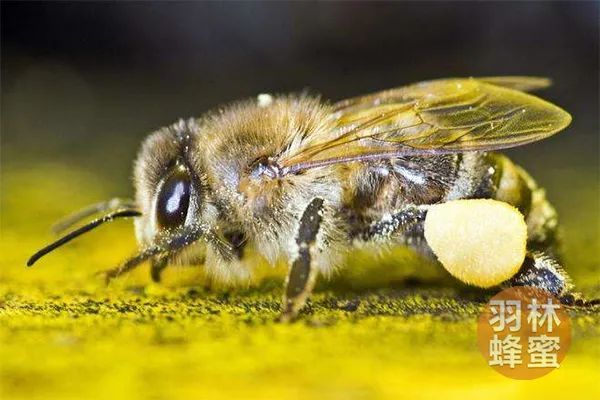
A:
{"x": 302, "y": 273}
{"x": 157, "y": 266}
{"x": 128, "y": 265}
{"x": 233, "y": 238}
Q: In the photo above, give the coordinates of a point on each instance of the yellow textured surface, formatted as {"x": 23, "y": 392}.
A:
{"x": 390, "y": 328}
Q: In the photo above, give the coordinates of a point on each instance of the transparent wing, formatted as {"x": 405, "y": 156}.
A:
{"x": 435, "y": 117}
{"x": 522, "y": 83}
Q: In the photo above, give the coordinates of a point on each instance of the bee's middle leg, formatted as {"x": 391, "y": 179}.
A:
{"x": 302, "y": 274}
{"x": 405, "y": 226}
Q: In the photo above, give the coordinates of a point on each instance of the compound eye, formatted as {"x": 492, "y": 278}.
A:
{"x": 174, "y": 199}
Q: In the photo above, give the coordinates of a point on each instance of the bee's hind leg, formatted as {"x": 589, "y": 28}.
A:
{"x": 543, "y": 271}
{"x": 302, "y": 274}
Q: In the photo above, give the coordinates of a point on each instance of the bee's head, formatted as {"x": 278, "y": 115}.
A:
{"x": 171, "y": 190}
{"x": 172, "y": 205}
{"x": 168, "y": 181}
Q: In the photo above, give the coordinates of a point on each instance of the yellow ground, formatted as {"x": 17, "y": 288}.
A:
{"x": 391, "y": 328}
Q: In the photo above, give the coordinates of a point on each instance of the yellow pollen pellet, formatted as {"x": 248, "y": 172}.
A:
{"x": 481, "y": 242}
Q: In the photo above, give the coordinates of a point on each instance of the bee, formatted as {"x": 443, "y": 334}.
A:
{"x": 299, "y": 178}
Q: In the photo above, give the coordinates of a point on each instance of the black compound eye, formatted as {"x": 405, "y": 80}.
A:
{"x": 174, "y": 199}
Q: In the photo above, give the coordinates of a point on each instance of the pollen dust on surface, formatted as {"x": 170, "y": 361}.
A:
{"x": 388, "y": 327}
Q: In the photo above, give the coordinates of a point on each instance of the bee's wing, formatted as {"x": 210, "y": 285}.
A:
{"x": 435, "y": 117}
{"x": 522, "y": 83}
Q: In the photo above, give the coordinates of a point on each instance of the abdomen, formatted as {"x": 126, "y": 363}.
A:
{"x": 515, "y": 186}
{"x": 495, "y": 176}
{"x": 377, "y": 189}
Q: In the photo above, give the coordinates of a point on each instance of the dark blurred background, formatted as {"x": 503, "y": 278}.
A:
{"x": 83, "y": 83}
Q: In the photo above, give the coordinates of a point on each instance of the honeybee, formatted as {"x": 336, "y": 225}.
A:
{"x": 296, "y": 177}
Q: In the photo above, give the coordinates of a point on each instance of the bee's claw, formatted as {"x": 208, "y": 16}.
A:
{"x": 576, "y": 299}
{"x": 108, "y": 275}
